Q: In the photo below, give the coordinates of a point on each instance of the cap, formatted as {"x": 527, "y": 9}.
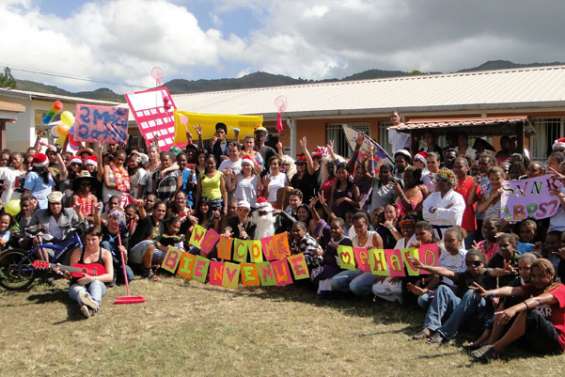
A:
{"x": 55, "y": 197}
{"x": 403, "y": 152}
{"x": 243, "y": 204}
{"x": 260, "y": 128}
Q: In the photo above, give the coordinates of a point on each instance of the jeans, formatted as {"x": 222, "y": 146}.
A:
{"x": 443, "y": 303}
{"x": 470, "y": 305}
{"x": 340, "y": 282}
{"x": 362, "y": 285}
{"x": 96, "y": 289}
{"x": 425, "y": 300}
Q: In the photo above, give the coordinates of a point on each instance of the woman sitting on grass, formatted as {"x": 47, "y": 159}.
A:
{"x": 539, "y": 321}
{"x": 88, "y": 290}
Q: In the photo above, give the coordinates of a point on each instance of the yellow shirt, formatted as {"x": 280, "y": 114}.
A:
{"x": 211, "y": 186}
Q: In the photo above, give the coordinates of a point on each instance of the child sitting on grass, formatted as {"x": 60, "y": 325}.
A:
{"x": 451, "y": 307}
{"x": 538, "y": 321}
{"x": 302, "y": 242}
{"x": 489, "y": 336}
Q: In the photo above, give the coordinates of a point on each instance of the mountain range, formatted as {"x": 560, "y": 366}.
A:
{"x": 255, "y": 80}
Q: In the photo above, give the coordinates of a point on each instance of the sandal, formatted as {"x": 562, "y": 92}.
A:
{"x": 485, "y": 353}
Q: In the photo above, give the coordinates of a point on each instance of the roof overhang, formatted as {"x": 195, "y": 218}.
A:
{"x": 418, "y": 124}
{"x": 10, "y": 110}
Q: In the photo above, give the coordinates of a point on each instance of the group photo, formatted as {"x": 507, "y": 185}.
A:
{"x": 159, "y": 219}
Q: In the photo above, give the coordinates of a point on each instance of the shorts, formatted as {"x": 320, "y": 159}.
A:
{"x": 541, "y": 336}
{"x": 137, "y": 253}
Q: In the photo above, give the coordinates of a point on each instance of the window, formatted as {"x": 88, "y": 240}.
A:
{"x": 546, "y": 131}
{"x": 383, "y": 136}
{"x": 335, "y": 133}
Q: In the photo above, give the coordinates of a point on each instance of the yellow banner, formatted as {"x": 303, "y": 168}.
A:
{"x": 186, "y": 121}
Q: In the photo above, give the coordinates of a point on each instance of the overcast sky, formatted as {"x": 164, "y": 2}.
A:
{"x": 119, "y": 41}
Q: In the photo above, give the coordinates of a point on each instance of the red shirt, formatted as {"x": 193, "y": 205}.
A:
{"x": 465, "y": 188}
{"x": 558, "y": 312}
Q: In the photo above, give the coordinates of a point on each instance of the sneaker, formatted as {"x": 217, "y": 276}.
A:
{"x": 485, "y": 353}
{"x": 85, "y": 311}
{"x": 425, "y": 333}
{"x": 87, "y": 300}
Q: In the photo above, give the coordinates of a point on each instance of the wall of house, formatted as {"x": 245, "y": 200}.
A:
{"x": 315, "y": 129}
{"x": 18, "y": 133}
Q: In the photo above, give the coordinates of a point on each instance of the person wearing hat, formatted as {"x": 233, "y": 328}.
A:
{"x": 246, "y": 183}
{"x": 85, "y": 202}
{"x": 138, "y": 176}
{"x": 219, "y": 144}
{"x": 55, "y": 221}
{"x": 241, "y": 226}
{"x": 39, "y": 181}
{"x": 266, "y": 152}
{"x": 402, "y": 159}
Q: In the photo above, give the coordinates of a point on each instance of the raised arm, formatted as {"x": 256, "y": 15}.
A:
{"x": 309, "y": 162}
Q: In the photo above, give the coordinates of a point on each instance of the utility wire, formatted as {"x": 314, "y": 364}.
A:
{"x": 65, "y": 76}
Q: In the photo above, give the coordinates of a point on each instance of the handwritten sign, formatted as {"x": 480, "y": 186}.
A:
{"x": 209, "y": 241}
{"x": 529, "y": 198}
{"x": 186, "y": 265}
{"x": 429, "y": 255}
{"x": 266, "y": 274}
{"x": 377, "y": 262}
{"x": 346, "y": 257}
{"x": 362, "y": 258}
{"x": 249, "y": 275}
{"x": 394, "y": 263}
{"x": 197, "y": 236}
{"x": 153, "y": 111}
{"x": 171, "y": 260}
{"x": 298, "y": 265}
{"x": 101, "y": 124}
{"x": 216, "y": 273}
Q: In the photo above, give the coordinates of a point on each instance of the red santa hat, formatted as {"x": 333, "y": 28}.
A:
{"x": 421, "y": 156}
{"x": 559, "y": 144}
{"x": 76, "y": 160}
{"x": 263, "y": 204}
{"x": 247, "y": 159}
{"x": 91, "y": 160}
{"x": 40, "y": 160}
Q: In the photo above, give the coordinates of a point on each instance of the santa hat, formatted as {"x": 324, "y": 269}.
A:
{"x": 421, "y": 156}
{"x": 40, "y": 160}
{"x": 91, "y": 160}
{"x": 320, "y": 152}
{"x": 263, "y": 204}
{"x": 559, "y": 144}
{"x": 76, "y": 160}
{"x": 247, "y": 159}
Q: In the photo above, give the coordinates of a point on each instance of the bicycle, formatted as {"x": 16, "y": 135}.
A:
{"x": 16, "y": 270}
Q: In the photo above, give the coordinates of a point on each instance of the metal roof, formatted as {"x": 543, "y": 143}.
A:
{"x": 515, "y": 88}
{"x": 416, "y": 123}
{"x": 51, "y": 96}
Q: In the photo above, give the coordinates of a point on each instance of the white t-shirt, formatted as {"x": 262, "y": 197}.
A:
{"x": 455, "y": 263}
{"x": 9, "y": 176}
{"x": 557, "y": 221}
{"x": 235, "y": 166}
{"x": 275, "y": 183}
{"x": 398, "y": 140}
{"x": 246, "y": 189}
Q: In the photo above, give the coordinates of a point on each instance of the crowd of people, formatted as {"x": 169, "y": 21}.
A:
{"x": 495, "y": 277}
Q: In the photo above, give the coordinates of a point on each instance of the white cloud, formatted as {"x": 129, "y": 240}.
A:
{"x": 116, "y": 41}
{"x": 120, "y": 40}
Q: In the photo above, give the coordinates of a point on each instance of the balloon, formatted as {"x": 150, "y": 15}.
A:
{"x": 67, "y": 118}
{"x": 55, "y": 131}
{"x": 12, "y": 207}
{"x": 63, "y": 131}
{"x": 57, "y": 106}
{"x": 183, "y": 120}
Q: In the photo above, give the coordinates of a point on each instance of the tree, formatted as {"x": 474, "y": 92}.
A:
{"x": 6, "y": 79}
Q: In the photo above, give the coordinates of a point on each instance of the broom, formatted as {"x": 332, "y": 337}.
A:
{"x": 127, "y": 299}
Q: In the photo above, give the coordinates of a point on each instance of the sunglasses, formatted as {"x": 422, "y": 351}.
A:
{"x": 474, "y": 263}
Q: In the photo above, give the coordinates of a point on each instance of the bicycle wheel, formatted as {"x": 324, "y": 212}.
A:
{"x": 16, "y": 271}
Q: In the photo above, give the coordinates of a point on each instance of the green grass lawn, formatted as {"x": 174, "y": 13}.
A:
{"x": 190, "y": 329}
